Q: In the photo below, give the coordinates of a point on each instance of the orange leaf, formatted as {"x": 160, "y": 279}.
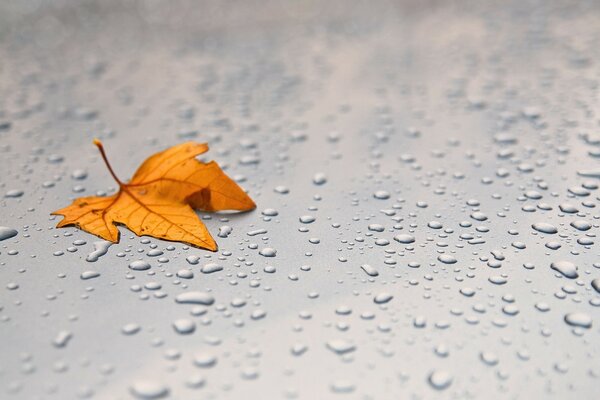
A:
{"x": 160, "y": 198}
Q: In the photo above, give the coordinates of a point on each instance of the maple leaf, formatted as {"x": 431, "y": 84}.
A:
{"x": 160, "y": 199}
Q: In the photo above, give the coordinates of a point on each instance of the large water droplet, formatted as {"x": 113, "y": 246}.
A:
{"x": 149, "y": 390}
{"x": 579, "y": 319}
{"x": 566, "y": 268}
{"x": 195, "y": 298}
{"x": 7, "y": 233}
{"x": 545, "y": 227}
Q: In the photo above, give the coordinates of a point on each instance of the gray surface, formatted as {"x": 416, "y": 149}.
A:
{"x": 431, "y": 102}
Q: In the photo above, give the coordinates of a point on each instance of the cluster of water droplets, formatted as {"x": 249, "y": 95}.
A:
{"x": 426, "y": 235}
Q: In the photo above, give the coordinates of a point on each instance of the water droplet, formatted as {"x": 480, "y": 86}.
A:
{"x": 435, "y": 225}
{"x": 149, "y": 390}
{"x": 566, "y": 268}
{"x": 447, "y": 259}
{"x": 419, "y": 322}
{"x": 195, "y": 381}
{"x": 155, "y": 253}
{"x": 130, "y": 329}
{"x": 568, "y": 208}
{"x": 298, "y": 349}
{"x": 404, "y": 238}
{"x": 195, "y": 298}
{"x": 596, "y": 284}
{"x": 497, "y": 280}
{"x": 211, "y": 267}
{"x": 238, "y": 302}
{"x": 581, "y": 225}
{"x": 319, "y": 178}
{"x": 543, "y": 307}
{"x": 270, "y": 212}
{"x": 440, "y": 379}
{"x": 342, "y": 386}
{"x": 382, "y": 298}
{"x": 185, "y": 274}
{"x": 579, "y": 319}
{"x": 192, "y": 259}
{"x": 205, "y": 360}
{"x": 381, "y": 195}
{"x": 376, "y": 227}
{"x": 369, "y": 270}
{"x": 89, "y": 275}
{"x": 224, "y": 231}
{"x": 7, "y": 233}
{"x": 489, "y": 358}
{"x": 281, "y": 190}
{"x": 256, "y": 232}
{"x": 184, "y": 326}
{"x": 268, "y": 252}
{"x": 545, "y": 227}
{"x": 14, "y": 193}
{"x": 79, "y": 174}
{"x": 258, "y": 314}
{"x": 139, "y": 265}
{"x": 510, "y": 309}
{"x": 307, "y": 219}
{"x": 340, "y": 346}
{"x": 62, "y": 339}
{"x": 441, "y": 350}
{"x": 479, "y": 216}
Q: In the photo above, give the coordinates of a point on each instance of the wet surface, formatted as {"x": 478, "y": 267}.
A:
{"x": 426, "y": 178}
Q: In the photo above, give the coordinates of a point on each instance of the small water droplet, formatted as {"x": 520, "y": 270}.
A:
{"x": 268, "y": 252}
{"x": 381, "y": 195}
{"x": 89, "y": 275}
{"x": 404, "y": 238}
{"x": 340, "y": 346}
{"x": 382, "y": 298}
{"x": 149, "y": 390}
{"x": 319, "y": 178}
{"x": 225, "y": 231}
{"x": 211, "y": 267}
{"x": 184, "y": 326}
{"x": 440, "y": 379}
{"x": 139, "y": 265}
{"x": 369, "y": 270}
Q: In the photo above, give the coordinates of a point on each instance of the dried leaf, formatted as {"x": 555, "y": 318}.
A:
{"x": 160, "y": 198}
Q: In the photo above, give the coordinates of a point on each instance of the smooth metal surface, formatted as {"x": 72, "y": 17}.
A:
{"x": 459, "y": 124}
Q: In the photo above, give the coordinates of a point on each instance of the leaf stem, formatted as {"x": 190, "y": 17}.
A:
{"x": 98, "y": 144}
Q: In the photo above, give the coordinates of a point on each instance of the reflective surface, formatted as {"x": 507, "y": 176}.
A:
{"x": 426, "y": 177}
